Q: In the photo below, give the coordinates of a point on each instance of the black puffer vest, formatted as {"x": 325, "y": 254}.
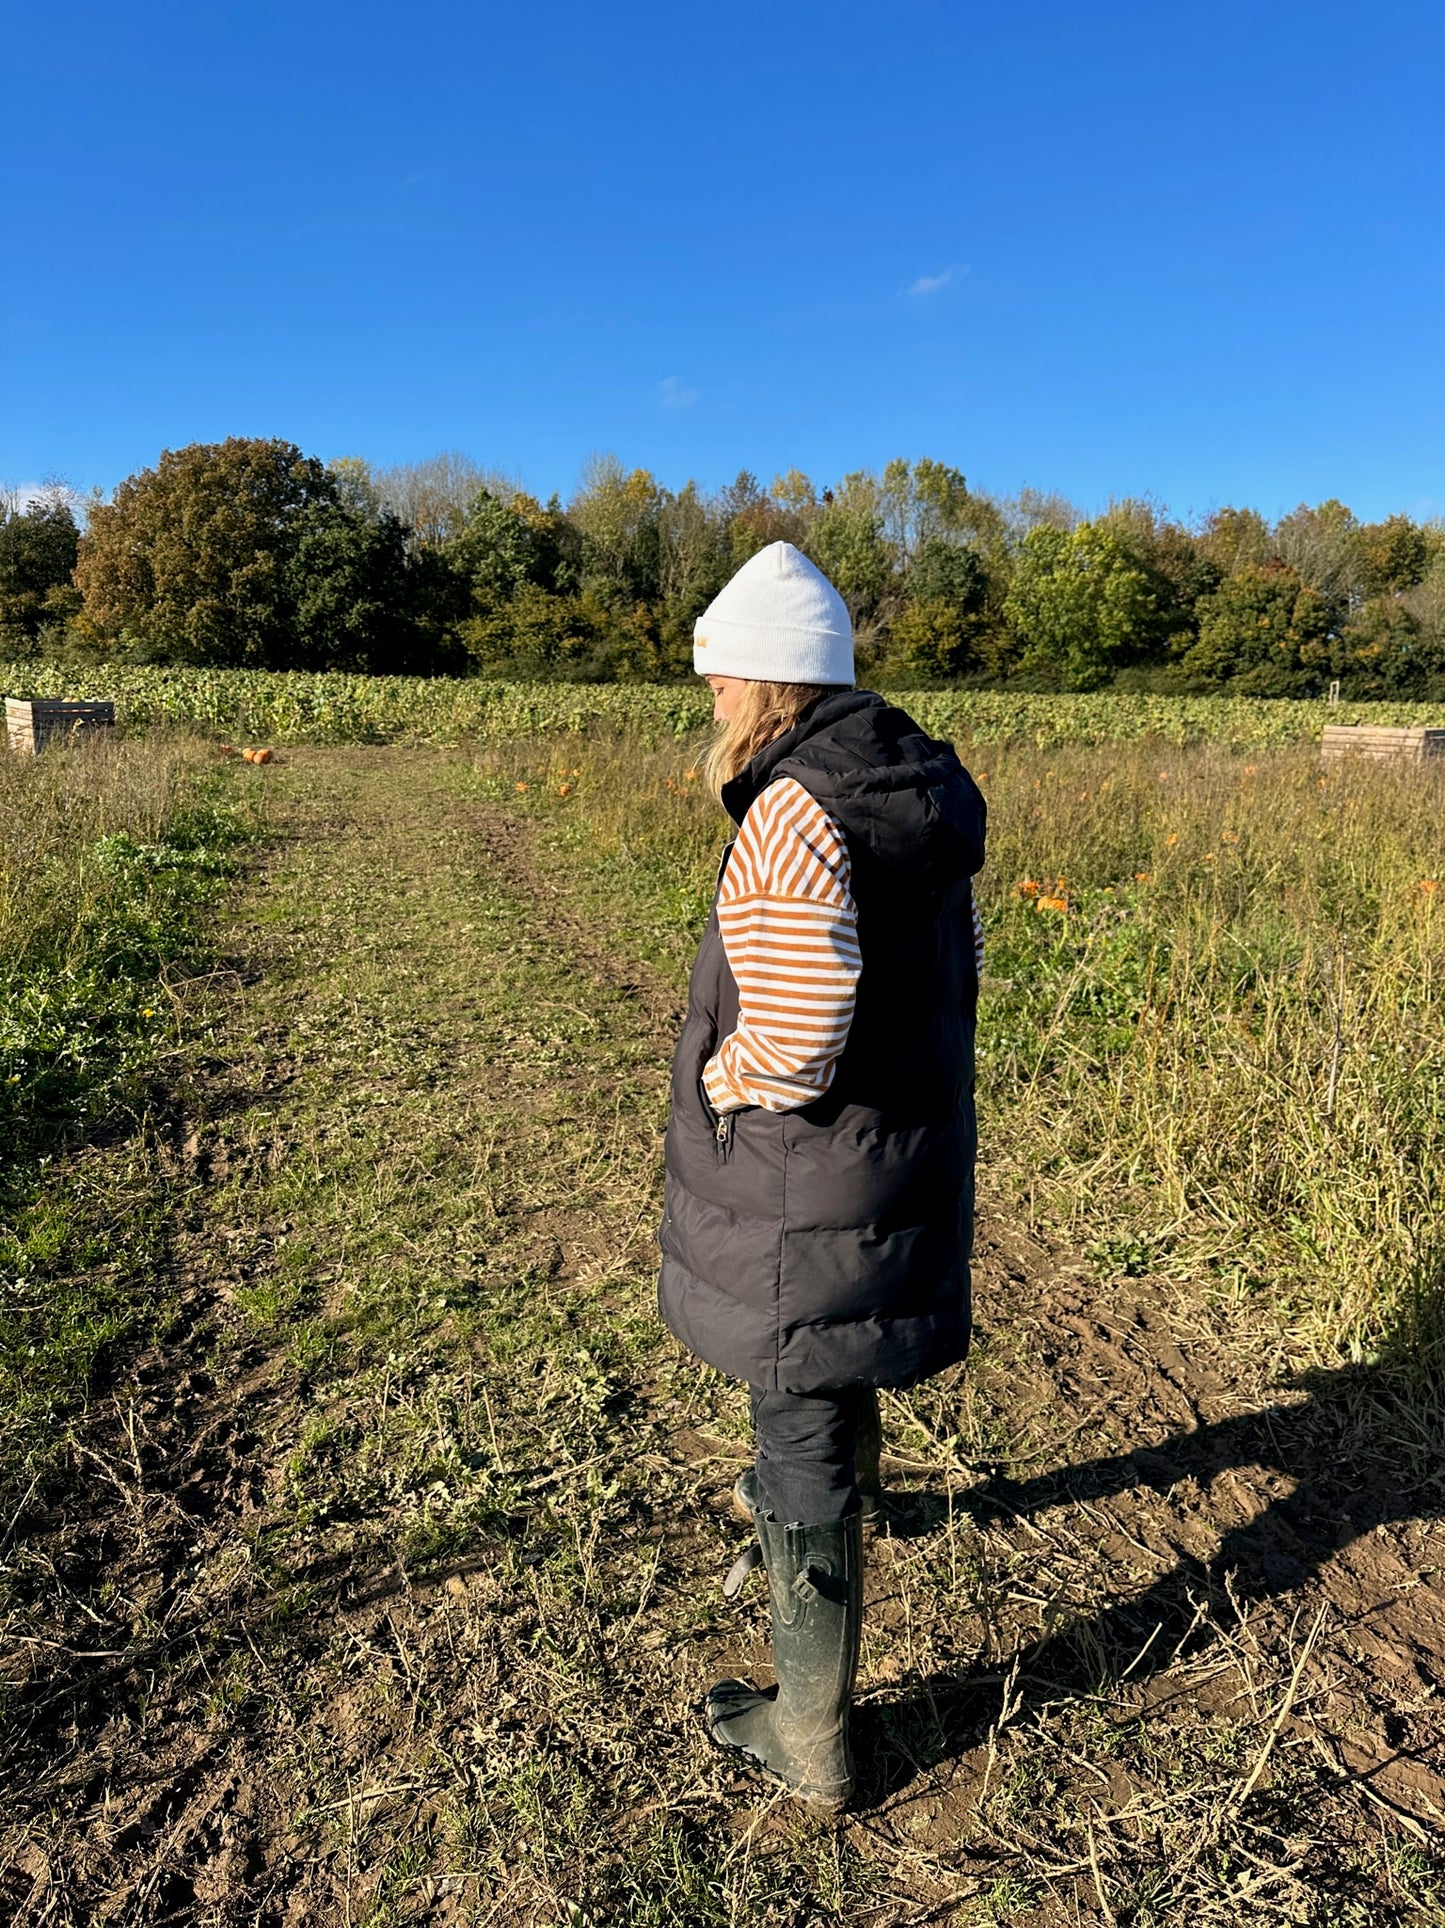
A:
{"x": 828, "y": 1246}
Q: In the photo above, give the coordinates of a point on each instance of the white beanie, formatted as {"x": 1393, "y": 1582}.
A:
{"x": 779, "y": 620}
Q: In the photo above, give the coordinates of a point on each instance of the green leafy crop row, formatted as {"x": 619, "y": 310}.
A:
{"x": 334, "y": 707}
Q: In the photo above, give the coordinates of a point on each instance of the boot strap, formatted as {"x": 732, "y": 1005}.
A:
{"x": 740, "y": 1570}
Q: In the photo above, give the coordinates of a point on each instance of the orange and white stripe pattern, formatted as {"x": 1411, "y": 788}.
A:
{"x": 790, "y": 932}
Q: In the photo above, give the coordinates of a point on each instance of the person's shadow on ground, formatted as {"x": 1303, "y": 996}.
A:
{"x": 1361, "y": 1451}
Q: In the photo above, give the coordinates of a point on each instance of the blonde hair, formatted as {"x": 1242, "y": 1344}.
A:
{"x": 765, "y": 712}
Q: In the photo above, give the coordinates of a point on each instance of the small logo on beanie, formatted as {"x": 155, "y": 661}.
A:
{"x": 700, "y": 642}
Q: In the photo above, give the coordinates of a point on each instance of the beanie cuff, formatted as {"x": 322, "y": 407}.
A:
{"x": 772, "y": 654}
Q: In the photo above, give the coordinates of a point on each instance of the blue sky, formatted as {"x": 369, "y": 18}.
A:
{"x": 1195, "y": 251}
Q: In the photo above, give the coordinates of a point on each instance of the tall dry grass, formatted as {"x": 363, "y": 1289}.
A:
{"x": 1212, "y": 1034}
{"x": 108, "y": 853}
{"x": 54, "y": 809}
{"x": 1221, "y": 1040}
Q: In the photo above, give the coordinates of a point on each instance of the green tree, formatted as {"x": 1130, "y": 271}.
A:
{"x": 939, "y": 633}
{"x": 506, "y": 540}
{"x": 539, "y": 637}
{"x": 615, "y": 513}
{"x": 38, "y": 550}
{"x": 1079, "y": 604}
{"x": 1178, "y": 574}
{"x": 695, "y": 559}
{"x": 952, "y": 573}
{"x": 360, "y": 601}
{"x": 846, "y": 541}
{"x": 1262, "y": 632}
{"x": 921, "y": 502}
{"x": 930, "y": 642}
{"x": 1385, "y": 651}
{"x": 357, "y": 487}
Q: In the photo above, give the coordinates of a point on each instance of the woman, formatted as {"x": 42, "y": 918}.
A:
{"x": 820, "y": 1150}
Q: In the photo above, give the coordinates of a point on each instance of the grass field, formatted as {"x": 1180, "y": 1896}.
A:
{"x": 376, "y": 1575}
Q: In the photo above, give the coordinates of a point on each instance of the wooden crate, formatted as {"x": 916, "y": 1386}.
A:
{"x": 1381, "y": 743}
{"x": 29, "y": 726}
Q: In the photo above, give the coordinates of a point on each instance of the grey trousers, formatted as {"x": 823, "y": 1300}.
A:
{"x": 805, "y": 1447}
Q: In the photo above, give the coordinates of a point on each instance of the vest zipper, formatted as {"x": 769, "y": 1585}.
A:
{"x": 724, "y": 1131}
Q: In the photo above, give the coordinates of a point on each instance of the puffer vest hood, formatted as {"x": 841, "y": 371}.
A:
{"x": 828, "y": 1246}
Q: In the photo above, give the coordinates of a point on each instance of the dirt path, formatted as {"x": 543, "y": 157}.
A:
{"x": 387, "y": 1587}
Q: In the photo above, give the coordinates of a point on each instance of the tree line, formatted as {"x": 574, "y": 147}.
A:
{"x": 248, "y": 553}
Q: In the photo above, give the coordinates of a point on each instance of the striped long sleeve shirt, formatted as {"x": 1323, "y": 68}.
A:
{"x": 790, "y": 931}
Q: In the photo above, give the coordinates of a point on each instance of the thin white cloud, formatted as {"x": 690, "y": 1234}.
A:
{"x": 674, "y": 393}
{"x": 932, "y": 284}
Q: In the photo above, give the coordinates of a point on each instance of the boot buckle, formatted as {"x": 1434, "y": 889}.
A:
{"x": 805, "y": 1584}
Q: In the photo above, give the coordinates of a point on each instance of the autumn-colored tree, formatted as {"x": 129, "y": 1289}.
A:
{"x": 1233, "y": 539}
{"x": 243, "y": 552}
{"x": 1034, "y": 509}
{"x": 193, "y": 556}
{"x": 433, "y": 497}
{"x": 250, "y": 552}
{"x": 1393, "y": 556}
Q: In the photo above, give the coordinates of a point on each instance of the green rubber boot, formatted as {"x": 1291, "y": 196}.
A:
{"x": 799, "y": 1730}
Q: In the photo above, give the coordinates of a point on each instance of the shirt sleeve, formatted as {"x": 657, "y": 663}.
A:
{"x": 790, "y": 932}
